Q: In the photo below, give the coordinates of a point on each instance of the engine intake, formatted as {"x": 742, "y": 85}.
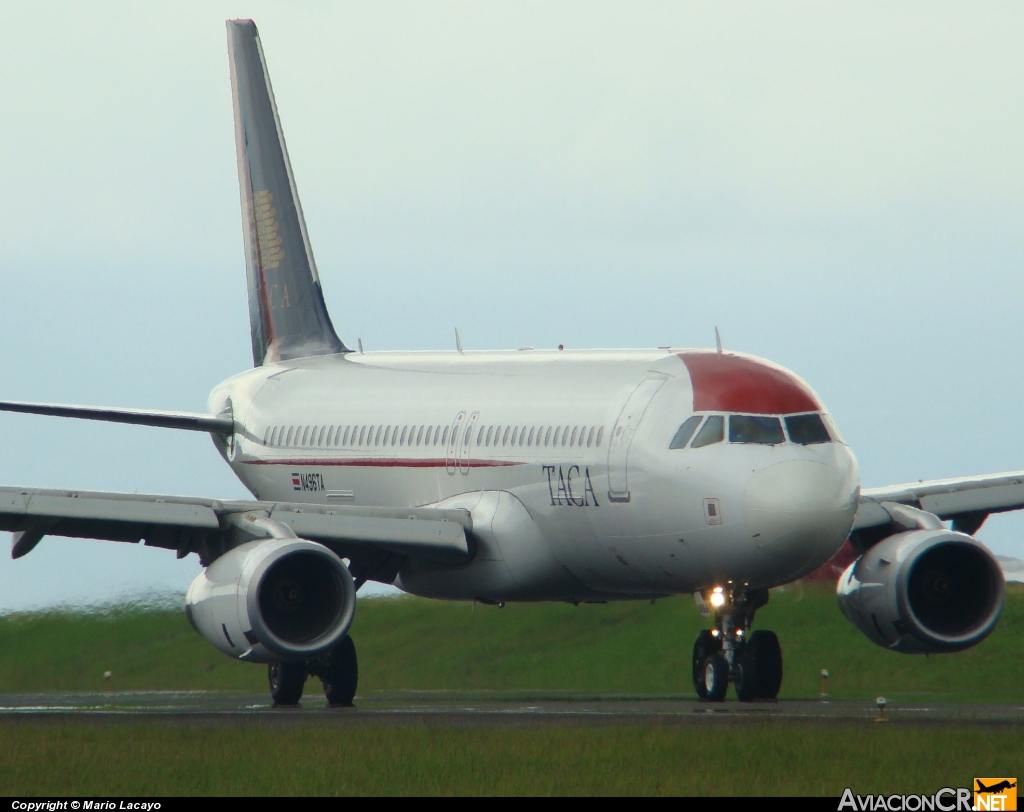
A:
{"x": 280, "y": 599}
{"x": 923, "y": 592}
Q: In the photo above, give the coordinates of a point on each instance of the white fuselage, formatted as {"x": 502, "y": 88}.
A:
{"x": 563, "y": 460}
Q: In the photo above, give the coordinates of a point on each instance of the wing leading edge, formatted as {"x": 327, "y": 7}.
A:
{"x": 189, "y": 421}
{"x": 209, "y": 527}
{"x": 967, "y": 501}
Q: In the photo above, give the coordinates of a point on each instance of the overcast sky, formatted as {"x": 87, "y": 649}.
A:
{"x": 837, "y": 187}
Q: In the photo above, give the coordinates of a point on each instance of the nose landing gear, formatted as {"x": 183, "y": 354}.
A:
{"x": 731, "y": 653}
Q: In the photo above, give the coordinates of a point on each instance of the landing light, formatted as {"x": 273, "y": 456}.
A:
{"x": 717, "y": 598}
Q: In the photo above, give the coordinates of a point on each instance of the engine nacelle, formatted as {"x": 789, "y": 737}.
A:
{"x": 924, "y": 592}
{"x": 278, "y": 599}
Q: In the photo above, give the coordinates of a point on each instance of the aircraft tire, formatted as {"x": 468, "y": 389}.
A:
{"x": 286, "y": 682}
{"x": 767, "y": 653}
{"x": 716, "y": 677}
{"x": 746, "y": 678}
{"x": 705, "y": 645}
{"x": 341, "y": 675}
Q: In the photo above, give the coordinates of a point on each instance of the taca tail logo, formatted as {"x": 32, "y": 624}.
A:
{"x": 995, "y": 793}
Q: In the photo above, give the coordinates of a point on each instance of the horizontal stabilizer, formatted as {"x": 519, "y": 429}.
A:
{"x": 190, "y": 421}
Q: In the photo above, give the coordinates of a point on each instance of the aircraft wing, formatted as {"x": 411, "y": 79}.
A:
{"x": 968, "y": 501}
{"x": 211, "y": 526}
{"x": 190, "y": 421}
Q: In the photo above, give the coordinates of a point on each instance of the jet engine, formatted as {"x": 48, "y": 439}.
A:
{"x": 273, "y": 600}
{"x": 924, "y": 592}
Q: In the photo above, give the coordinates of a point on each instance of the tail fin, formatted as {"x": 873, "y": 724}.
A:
{"x": 287, "y": 314}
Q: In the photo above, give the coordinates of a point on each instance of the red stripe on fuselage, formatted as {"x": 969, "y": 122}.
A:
{"x": 724, "y": 382}
{"x": 373, "y": 462}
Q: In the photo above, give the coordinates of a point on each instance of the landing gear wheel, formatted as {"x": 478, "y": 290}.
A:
{"x": 767, "y": 653}
{"x": 286, "y": 682}
{"x": 745, "y": 679}
{"x": 716, "y": 677}
{"x": 341, "y": 675}
{"x": 705, "y": 645}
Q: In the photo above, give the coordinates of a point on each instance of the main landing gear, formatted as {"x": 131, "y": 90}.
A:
{"x": 338, "y": 671}
{"x": 752, "y": 662}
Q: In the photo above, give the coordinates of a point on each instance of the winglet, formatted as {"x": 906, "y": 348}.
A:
{"x": 287, "y": 314}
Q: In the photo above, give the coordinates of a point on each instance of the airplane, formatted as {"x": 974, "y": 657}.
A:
{"x": 995, "y": 788}
{"x": 583, "y": 476}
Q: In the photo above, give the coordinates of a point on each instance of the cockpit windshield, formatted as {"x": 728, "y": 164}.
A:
{"x": 686, "y": 431}
{"x": 801, "y": 429}
{"x": 713, "y": 431}
{"x": 755, "y": 429}
{"x": 807, "y": 429}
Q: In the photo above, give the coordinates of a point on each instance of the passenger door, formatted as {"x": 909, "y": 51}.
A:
{"x": 622, "y": 436}
{"x": 467, "y": 442}
{"x": 451, "y": 456}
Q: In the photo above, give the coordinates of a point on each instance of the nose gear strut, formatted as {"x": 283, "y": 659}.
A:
{"x": 729, "y": 652}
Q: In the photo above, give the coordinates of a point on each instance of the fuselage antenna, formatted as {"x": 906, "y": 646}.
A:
{"x": 458, "y": 340}
{"x": 718, "y": 340}
{"x": 360, "y": 344}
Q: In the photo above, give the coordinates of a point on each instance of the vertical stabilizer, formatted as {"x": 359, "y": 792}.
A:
{"x": 287, "y": 313}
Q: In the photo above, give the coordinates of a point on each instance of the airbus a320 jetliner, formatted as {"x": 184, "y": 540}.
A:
{"x": 530, "y": 475}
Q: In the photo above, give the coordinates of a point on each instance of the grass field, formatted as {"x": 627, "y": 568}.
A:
{"x": 410, "y": 645}
{"x": 413, "y": 644}
{"x": 800, "y": 759}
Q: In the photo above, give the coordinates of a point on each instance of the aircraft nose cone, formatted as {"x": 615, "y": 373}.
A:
{"x": 799, "y": 512}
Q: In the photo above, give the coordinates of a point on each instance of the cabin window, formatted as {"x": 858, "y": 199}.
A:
{"x": 362, "y": 435}
{"x": 376, "y": 437}
{"x": 685, "y": 431}
{"x": 273, "y": 435}
{"x": 405, "y": 431}
{"x": 490, "y": 435}
{"x": 575, "y": 431}
{"x": 756, "y": 429}
{"x": 529, "y": 440}
{"x": 289, "y": 440}
{"x": 320, "y": 439}
{"x": 344, "y": 440}
{"x": 557, "y": 432}
{"x": 565, "y": 435}
{"x": 480, "y": 436}
{"x": 504, "y": 439}
{"x": 547, "y": 436}
{"x": 426, "y": 438}
{"x": 590, "y": 437}
{"x": 600, "y": 434}
{"x": 444, "y": 438}
{"x": 713, "y": 431}
{"x": 807, "y": 429}
{"x": 515, "y": 435}
{"x": 330, "y": 435}
{"x": 419, "y": 435}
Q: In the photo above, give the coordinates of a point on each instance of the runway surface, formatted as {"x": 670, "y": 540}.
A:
{"x": 474, "y": 710}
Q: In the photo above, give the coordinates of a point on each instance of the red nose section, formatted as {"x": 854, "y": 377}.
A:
{"x": 724, "y": 382}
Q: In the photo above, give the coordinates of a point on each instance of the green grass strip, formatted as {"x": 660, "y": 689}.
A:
{"x": 750, "y": 759}
{"x": 413, "y": 644}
